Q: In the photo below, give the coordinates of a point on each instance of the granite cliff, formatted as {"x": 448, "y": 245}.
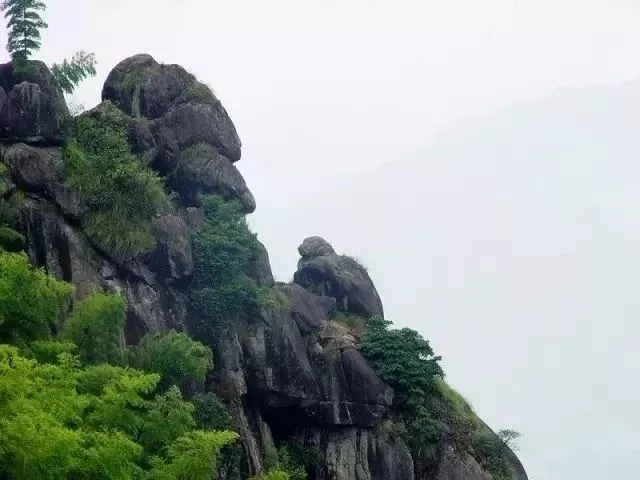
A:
{"x": 288, "y": 371}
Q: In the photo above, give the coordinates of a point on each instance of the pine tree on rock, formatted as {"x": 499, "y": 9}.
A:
{"x": 24, "y": 27}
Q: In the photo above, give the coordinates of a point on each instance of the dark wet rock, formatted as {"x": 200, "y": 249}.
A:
{"x": 261, "y": 268}
{"x": 172, "y": 257}
{"x": 200, "y": 169}
{"x": 337, "y": 276}
{"x": 313, "y": 247}
{"x": 32, "y": 106}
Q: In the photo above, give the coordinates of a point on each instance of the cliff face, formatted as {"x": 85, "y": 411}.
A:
{"x": 288, "y": 372}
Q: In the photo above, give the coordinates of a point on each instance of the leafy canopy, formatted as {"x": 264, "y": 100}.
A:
{"x": 30, "y": 300}
{"x": 174, "y": 356}
{"x": 95, "y": 326}
{"x": 70, "y": 73}
{"x": 24, "y": 25}
{"x": 224, "y": 249}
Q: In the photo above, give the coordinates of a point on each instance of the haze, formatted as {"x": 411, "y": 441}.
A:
{"x": 496, "y": 213}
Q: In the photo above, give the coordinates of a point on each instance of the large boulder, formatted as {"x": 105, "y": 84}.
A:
{"x": 323, "y": 272}
{"x": 200, "y": 169}
{"x": 185, "y": 109}
{"x": 179, "y": 126}
{"x": 42, "y": 171}
{"x": 359, "y": 454}
{"x": 32, "y": 106}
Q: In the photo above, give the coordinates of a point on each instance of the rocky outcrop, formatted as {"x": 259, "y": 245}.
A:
{"x": 322, "y": 271}
{"x": 287, "y": 371}
{"x": 32, "y": 106}
{"x": 180, "y": 126}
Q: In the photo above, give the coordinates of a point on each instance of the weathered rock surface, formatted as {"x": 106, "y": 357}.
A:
{"x": 322, "y": 271}
{"x": 179, "y": 125}
{"x": 32, "y": 106}
{"x": 288, "y": 371}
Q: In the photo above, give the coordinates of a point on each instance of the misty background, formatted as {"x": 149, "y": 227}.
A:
{"x": 480, "y": 158}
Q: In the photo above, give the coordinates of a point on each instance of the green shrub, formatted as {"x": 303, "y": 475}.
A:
{"x": 463, "y": 414}
{"x": 224, "y": 250}
{"x": 200, "y": 92}
{"x": 48, "y": 351}
{"x": 124, "y": 195}
{"x": 11, "y": 240}
{"x": 174, "y": 356}
{"x": 96, "y": 326}
{"x": 490, "y": 451}
{"x": 404, "y": 360}
{"x": 62, "y": 421}
{"x": 30, "y": 300}
{"x": 211, "y": 413}
{"x": 271, "y": 298}
{"x": 355, "y": 323}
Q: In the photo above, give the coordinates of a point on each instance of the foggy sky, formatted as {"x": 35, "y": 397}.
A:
{"x": 497, "y": 214}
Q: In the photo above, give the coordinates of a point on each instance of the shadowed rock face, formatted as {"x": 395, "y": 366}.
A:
{"x": 288, "y": 371}
{"x": 322, "y": 271}
{"x": 179, "y": 125}
{"x": 32, "y": 106}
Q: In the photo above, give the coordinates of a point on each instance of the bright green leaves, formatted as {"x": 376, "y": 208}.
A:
{"x": 193, "y": 456}
{"x": 174, "y": 356}
{"x": 69, "y": 74}
{"x": 24, "y": 25}
{"x": 123, "y": 193}
{"x": 405, "y": 361}
{"x": 30, "y": 300}
{"x": 96, "y": 326}
{"x": 224, "y": 251}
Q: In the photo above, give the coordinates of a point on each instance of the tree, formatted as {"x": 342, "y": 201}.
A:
{"x": 24, "y": 27}
{"x": 30, "y": 300}
{"x": 69, "y": 74}
{"x": 174, "y": 356}
{"x": 509, "y": 437}
{"x": 403, "y": 359}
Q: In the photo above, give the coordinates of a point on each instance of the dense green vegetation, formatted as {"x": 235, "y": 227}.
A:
{"x": 224, "y": 252}
{"x": 427, "y": 407}
{"x": 123, "y": 194}
{"x": 70, "y": 408}
{"x": 24, "y": 26}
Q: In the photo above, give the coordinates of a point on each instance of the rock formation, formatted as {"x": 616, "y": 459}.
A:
{"x": 290, "y": 372}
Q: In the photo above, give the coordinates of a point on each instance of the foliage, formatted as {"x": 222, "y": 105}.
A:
{"x": 11, "y": 240}
{"x": 271, "y": 298}
{"x": 47, "y": 351}
{"x": 124, "y": 195}
{"x": 224, "y": 250}
{"x": 463, "y": 415}
{"x": 490, "y": 450}
{"x": 69, "y": 74}
{"x": 30, "y": 300}
{"x": 274, "y": 474}
{"x": 61, "y": 421}
{"x": 193, "y": 456}
{"x": 355, "y": 323}
{"x": 96, "y": 326}
{"x": 174, "y": 356}
{"x": 168, "y": 418}
{"x": 201, "y": 93}
{"x": 211, "y": 413}
{"x": 405, "y": 361}
{"x": 509, "y": 438}
{"x": 24, "y": 25}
